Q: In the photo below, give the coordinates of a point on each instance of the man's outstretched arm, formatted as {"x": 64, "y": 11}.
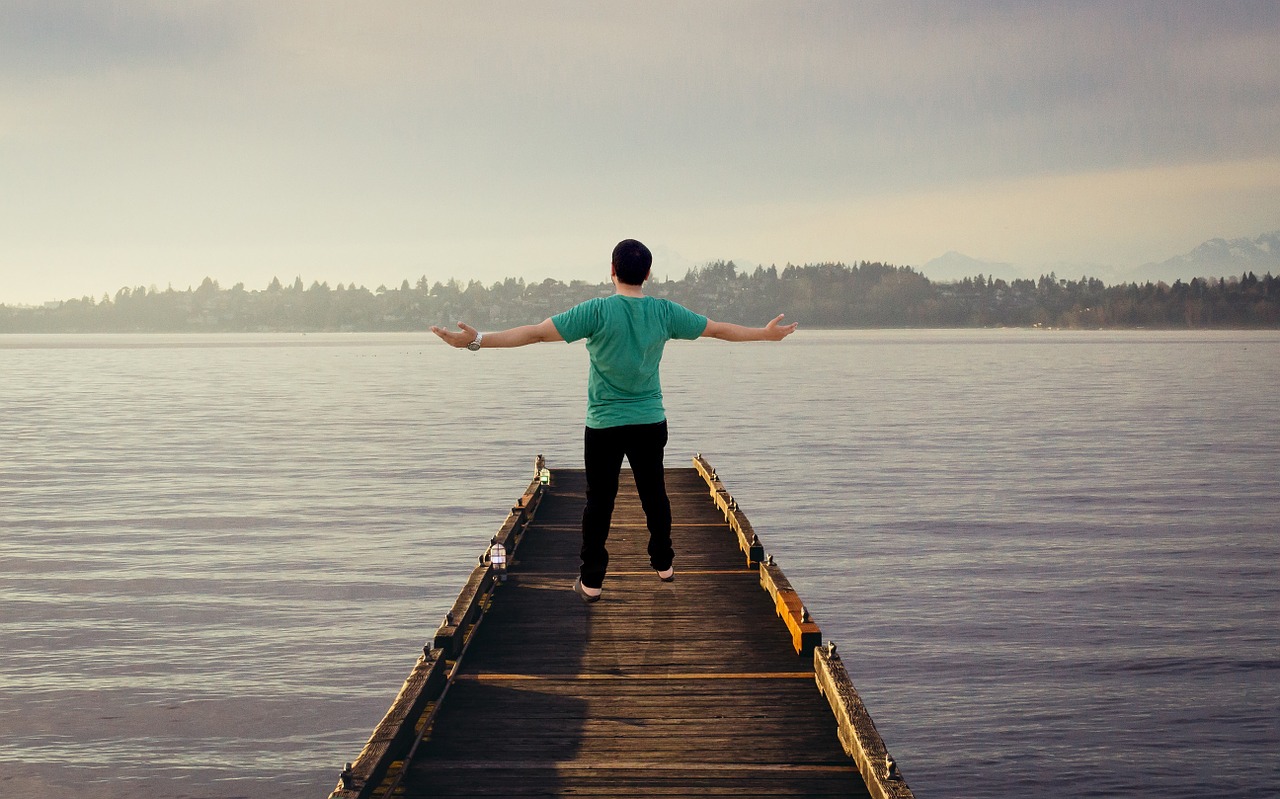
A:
{"x": 514, "y": 337}
{"x": 727, "y": 331}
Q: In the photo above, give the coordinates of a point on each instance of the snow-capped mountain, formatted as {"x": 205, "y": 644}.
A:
{"x": 1217, "y": 258}
{"x": 1214, "y": 258}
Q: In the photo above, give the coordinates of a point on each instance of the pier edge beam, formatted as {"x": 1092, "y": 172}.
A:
{"x": 858, "y": 734}
{"x": 748, "y": 541}
{"x": 393, "y": 735}
{"x": 805, "y": 633}
{"x": 426, "y": 681}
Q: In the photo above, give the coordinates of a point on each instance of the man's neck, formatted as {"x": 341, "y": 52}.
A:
{"x": 627, "y": 290}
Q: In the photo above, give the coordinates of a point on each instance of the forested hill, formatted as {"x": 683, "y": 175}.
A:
{"x": 816, "y": 295}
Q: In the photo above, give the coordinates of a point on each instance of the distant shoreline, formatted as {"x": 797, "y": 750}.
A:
{"x": 865, "y": 296}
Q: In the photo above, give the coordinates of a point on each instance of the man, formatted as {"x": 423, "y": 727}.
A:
{"x": 625, "y": 336}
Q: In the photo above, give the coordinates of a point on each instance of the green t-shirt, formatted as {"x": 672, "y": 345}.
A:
{"x": 625, "y": 337}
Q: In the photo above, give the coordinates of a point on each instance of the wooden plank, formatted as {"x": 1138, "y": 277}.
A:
{"x": 619, "y": 783}
{"x": 857, "y": 731}
{"x": 637, "y": 765}
{"x": 678, "y": 676}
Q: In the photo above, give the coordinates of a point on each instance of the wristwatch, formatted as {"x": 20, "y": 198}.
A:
{"x": 475, "y": 345}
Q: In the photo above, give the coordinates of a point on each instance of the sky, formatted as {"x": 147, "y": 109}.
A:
{"x": 159, "y": 143}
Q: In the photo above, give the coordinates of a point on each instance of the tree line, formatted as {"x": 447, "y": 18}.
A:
{"x": 863, "y": 295}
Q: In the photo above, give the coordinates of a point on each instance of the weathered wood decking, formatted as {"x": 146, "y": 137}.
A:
{"x": 691, "y": 688}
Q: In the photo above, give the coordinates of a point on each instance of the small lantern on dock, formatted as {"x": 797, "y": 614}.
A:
{"x": 498, "y": 560}
{"x": 544, "y": 477}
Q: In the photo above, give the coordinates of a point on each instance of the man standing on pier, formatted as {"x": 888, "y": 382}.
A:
{"x": 625, "y": 336}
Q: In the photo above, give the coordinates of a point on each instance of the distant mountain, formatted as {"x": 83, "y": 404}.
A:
{"x": 1217, "y": 258}
{"x": 1214, "y": 258}
{"x": 956, "y": 266}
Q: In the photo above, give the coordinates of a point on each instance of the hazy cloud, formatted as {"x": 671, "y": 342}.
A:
{"x": 443, "y": 137}
{"x": 49, "y": 38}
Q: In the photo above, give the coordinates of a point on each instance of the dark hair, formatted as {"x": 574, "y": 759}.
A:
{"x": 631, "y": 262}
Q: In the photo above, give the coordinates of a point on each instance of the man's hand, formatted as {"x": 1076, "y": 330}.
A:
{"x": 456, "y": 338}
{"x": 777, "y": 332}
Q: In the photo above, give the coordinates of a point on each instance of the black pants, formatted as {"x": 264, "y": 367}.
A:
{"x": 643, "y": 446}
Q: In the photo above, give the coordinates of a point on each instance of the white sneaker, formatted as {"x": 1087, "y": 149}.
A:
{"x": 585, "y": 593}
{"x": 668, "y": 576}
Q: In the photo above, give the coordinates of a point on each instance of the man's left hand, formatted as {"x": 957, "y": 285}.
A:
{"x": 456, "y": 338}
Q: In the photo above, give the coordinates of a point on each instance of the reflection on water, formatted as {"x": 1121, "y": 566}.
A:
{"x": 1050, "y": 558}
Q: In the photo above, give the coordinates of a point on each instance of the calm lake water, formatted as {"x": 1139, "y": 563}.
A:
{"x": 1051, "y": 559}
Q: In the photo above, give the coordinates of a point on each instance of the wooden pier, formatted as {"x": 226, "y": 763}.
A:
{"x": 715, "y": 685}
